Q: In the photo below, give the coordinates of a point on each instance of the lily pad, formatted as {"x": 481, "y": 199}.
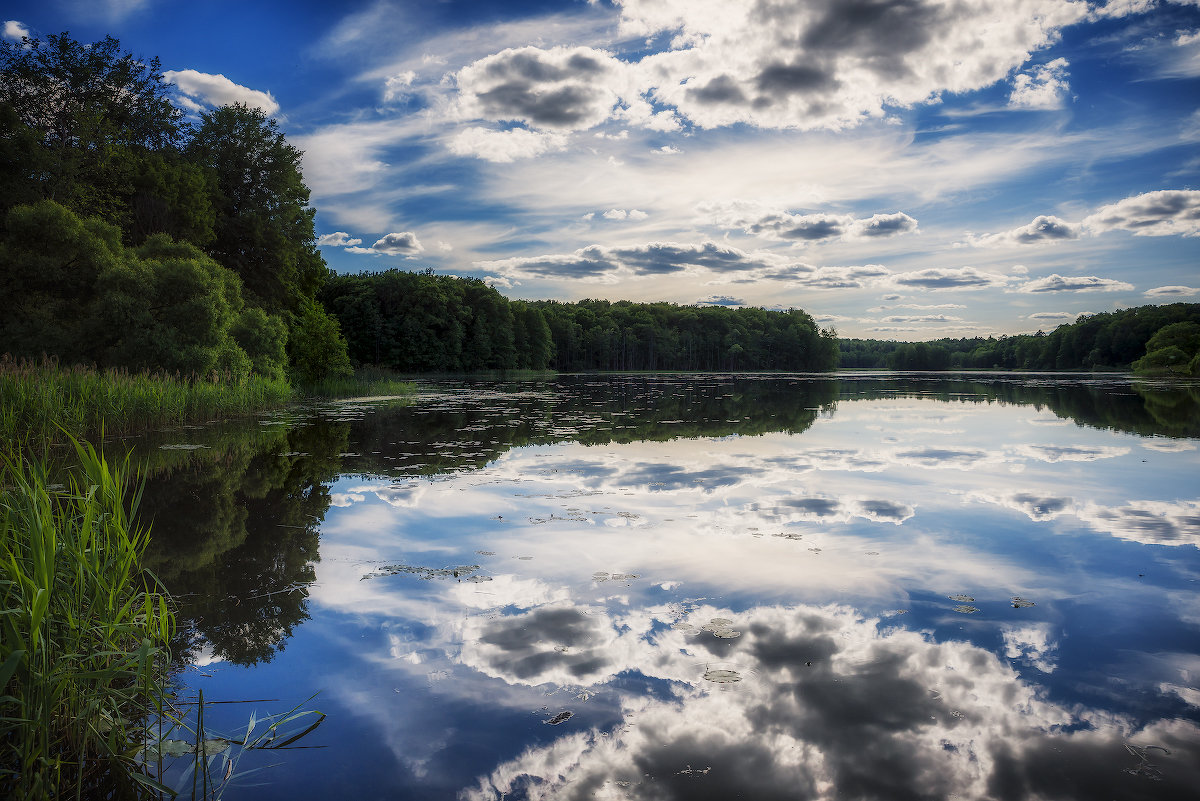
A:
{"x": 722, "y": 676}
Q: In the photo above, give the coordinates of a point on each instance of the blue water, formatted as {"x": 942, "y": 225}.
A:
{"x": 757, "y": 587}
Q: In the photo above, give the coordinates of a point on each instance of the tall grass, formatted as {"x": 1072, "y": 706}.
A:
{"x": 40, "y": 400}
{"x": 367, "y": 380}
{"x": 82, "y": 631}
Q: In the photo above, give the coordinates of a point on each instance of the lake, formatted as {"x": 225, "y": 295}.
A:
{"x": 692, "y": 587}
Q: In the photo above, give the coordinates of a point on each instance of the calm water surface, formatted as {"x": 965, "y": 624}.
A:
{"x": 682, "y": 587}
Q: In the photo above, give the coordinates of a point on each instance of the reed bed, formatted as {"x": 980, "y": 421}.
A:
{"x": 366, "y": 381}
{"x": 39, "y": 401}
{"x": 83, "y": 632}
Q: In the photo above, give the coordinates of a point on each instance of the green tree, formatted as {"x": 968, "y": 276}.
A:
{"x": 80, "y": 114}
{"x": 315, "y": 345}
{"x": 50, "y": 260}
{"x": 263, "y": 227}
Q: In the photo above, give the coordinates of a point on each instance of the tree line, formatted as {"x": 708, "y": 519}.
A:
{"x": 419, "y": 322}
{"x": 130, "y": 237}
{"x": 1162, "y": 339}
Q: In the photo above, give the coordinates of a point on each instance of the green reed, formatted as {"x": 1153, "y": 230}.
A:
{"x": 41, "y": 400}
{"x": 366, "y": 381}
{"x": 83, "y": 631}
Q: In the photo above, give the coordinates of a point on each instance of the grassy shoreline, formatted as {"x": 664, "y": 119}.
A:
{"x": 44, "y": 402}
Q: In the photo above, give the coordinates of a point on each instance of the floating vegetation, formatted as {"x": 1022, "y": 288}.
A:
{"x": 601, "y": 575}
{"x": 486, "y": 553}
{"x": 461, "y": 572}
{"x": 788, "y": 535}
{"x": 182, "y": 447}
{"x": 561, "y": 717}
{"x": 965, "y": 609}
{"x": 684, "y": 627}
{"x": 1020, "y": 603}
{"x": 721, "y": 627}
{"x": 966, "y": 599}
{"x": 722, "y": 676}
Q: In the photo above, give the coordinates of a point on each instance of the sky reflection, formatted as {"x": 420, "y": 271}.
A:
{"x": 909, "y": 599}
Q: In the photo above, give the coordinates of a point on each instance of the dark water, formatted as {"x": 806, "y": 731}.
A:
{"x": 701, "y": 587}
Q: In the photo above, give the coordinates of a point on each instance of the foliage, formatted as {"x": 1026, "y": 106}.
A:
{"x": 599, "y": 335}
{"x": 40, "y": 401}
{"x": 264, "y": 225}
{"x": 84, "y": 116}
{"x": 1173, "y": 349}
{"x": 81, "y": 296}
{"x": 420, "y": 322}
{"x": 367, "y": 381}
{"x": 137, "y": 241}
{"x": 316, "y": 350}
{"x": 1110, "y": 340}
{"x": 82, "y": 654}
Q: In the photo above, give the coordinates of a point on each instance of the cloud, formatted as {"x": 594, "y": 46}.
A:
{"x": 831, "y": 63}
{"x": 338, "y": 239}
{"x": 826, "y": 64}
{"x": 1079, "y": 283}
{"x": 1065, "y": 317}
{"x": 1165, "y": 212}
{"x": 1045, "y": 228}
{"x": 217, "y": 90}
{"x": 396, "y": 86}
{"x": 949, "y": 278}
{"x": 1042, "y": 89}
{"x": 720, "y": 300}
{"x": 561, "y": 89}
{"x": 505, "y": 146}
{"x": 752, "y": 218}
{"x": 15, "y": 30}
{"x": 727, "y": 264}
{"x": 921, "y": 318}
{"x": 883, "y": 225}
{"x": 622, "y": 214}
{"x": 1172, "y": 292}
{"x": 917, "y": 306}
{"x": 398, "y": 244}
{"x": 605, "y": 264}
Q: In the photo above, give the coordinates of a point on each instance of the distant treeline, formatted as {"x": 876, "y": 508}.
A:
{"x": 1147, "y": 338}
{"x": 425, "y": 322}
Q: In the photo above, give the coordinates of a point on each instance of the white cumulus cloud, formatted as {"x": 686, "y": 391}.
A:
{"x": 217, "y": 90}
{"x": 1165, "y": 212}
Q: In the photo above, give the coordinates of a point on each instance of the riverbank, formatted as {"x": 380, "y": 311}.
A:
{"x": 44, "y": 402}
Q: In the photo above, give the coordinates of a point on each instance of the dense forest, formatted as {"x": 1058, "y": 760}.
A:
{"x": 132, "y": 238}
{"x": 415, "y": 322}
{"x": 1164, "y": 339}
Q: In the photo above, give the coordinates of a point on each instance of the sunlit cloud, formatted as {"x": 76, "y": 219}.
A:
{"x": 1167, "y": 212}
{"x": 1075, "y": 283}
{"x": 217, "y": 90}
{"x": 1044, "y": 88}
{"x": 15, "y": 30}
{"x": 403, "y": 243}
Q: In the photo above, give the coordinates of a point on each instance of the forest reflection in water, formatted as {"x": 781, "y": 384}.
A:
{"x": 693, "y": 587}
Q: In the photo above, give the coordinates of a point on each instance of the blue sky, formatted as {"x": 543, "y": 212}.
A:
{"x": 901, "y": 169}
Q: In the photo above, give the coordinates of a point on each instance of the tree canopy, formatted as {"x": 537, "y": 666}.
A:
{"x": 134, "y": 239}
